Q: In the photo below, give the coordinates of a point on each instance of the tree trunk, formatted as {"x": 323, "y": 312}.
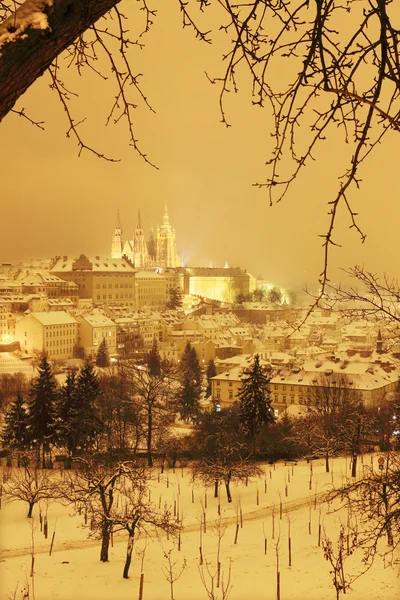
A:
{"x": 105, "y": 541}
{"x": 128, "y": 559}
{"x": 354, "y": 466}
{"x": 149, "y": 438}
{"x": 216, "y": 488}
{"x": 26, "y": 57}
{"x": 327, "y": 461}
{"x": 228, "y": 489}
{"x": 31, "y": 505}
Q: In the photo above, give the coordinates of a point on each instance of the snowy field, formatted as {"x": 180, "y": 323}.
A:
{"x": 73, "y": 571}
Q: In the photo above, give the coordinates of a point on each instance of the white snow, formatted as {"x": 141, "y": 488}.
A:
{"x": 74, "y": 570}
{"x": 29, "y": 15}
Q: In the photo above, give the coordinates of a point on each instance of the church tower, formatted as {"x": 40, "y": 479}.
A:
{"x": 140, "y": 256}
{"x": 117, "y": 241}
{"x": 166, "y": 253}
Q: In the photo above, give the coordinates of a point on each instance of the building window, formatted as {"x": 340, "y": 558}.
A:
{"x": 284, "y": 399}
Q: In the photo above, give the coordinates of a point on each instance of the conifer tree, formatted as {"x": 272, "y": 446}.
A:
{"x": 191, "y": 378}
{"x": 42, "y": 404}
{"x": 68, "y": 414}
{"x": 254, "y": 401}
{"x": 15, "y": 432}
{"x": 87, "y": 421}
{"x": 175, "y": 298}
{"x": 154, "y": 360}
{"x": 211, "y": 372}
{"x": 102, "y": 358}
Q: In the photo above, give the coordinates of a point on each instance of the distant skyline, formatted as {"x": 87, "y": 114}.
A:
{"x": 56, "y": 203}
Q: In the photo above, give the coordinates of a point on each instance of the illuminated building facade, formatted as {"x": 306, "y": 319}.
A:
{"x": 159, "y": 251}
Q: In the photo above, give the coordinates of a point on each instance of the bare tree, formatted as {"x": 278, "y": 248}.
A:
{"x": 334, "y": 421}
{"x": 154, "y": 394}
{"x": 116, "y": 498}
{"x": 223, "y": 456}
{"x": 172, "y": 572}
{"x": 119, "y": 412}
{"x": 337, "y": 557}
{"x": 375, "y": 499}
{"x": 32, "y": 486}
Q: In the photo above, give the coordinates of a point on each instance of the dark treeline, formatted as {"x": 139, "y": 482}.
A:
{"x": 130, "y": 409}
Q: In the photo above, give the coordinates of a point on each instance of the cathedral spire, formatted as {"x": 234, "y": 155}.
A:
{"x": 117, "y": 241}
{"x": 118, "y": 225}
{"x": 139, "y": 223}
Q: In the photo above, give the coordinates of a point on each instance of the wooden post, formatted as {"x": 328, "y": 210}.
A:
{"x": 179, "y": 542}
{"x": 270, "y": 474}
{"x": 141, "y": 586}
{"x": 174, "y": 508}
{"x": 265, "y": 486}
{"x": 309, "y": 520}
{"x": 286, "y": 490}
{"x": 32, "y": 565}
{"x": 265, "y": 546}
{"x": 236, "y": 533}
{"x": 112, "y": 538}
{"x": 273, "y": 524}
{"x": 218, "y": 573}
{"x": 45, "y": 528}
{"x": 280, "y": 509}
{"x": 241, "y": 517}
{"x": 310, "y": 483}
{"x": 52, "y": 542}
{"x": 205, "y": 522}
{"x": 192, "y": 496}
{"x": 159, "y": 502}
{"x": 205, "y": 499}
{"x": 167, "y": 482}
{"x": 278, "y": 586}
{"x": 258, "y": 497}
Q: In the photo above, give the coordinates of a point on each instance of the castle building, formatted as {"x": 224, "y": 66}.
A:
{"x": 158, "y": 251}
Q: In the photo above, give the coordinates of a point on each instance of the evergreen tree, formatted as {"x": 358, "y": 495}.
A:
{"x": 191, "y": 378}
{"x": 254, "y": 401}
{"x": 85, "y": 417}
{"x": 15, "y": 432}
{"x": 42, "y": 404}
{"x": 175, "y": 298}
{"x": 102, "y": 358}
{"x": 211, "y": 372}
{"x": 68, "y": 414}
{"x": 154, "y": 360}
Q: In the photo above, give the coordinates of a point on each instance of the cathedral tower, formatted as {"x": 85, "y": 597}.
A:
{"x": 117, "y": 241}
{"x": 139, "y": 246}
{"x": 167, "y": 255}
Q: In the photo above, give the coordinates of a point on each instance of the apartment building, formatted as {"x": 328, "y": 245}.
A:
{"x": 103, "y": 280}
{"x": 55, "y": 333}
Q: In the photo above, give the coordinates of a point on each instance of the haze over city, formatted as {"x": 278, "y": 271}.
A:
{"x": 61, "y": 204}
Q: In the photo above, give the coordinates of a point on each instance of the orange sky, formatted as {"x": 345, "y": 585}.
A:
{"x": 57, "y": 203}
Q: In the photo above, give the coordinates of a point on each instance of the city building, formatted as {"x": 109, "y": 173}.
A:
{"x": 55, "y": 333}
{"x": 103, "y": 280}
{"x": 93, "y": 329}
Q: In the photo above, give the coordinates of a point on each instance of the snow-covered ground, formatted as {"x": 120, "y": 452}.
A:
{"x": 74, "y": 571}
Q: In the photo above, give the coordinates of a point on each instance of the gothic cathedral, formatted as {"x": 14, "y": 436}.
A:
{"x": 158, "y": 251}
